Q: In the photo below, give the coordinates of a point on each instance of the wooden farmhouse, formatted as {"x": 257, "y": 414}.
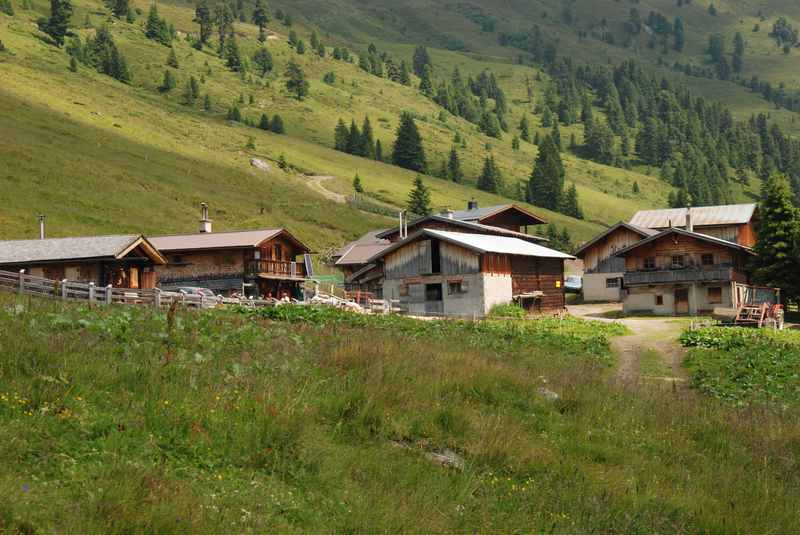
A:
{"x": 124, "y": 261}
{"x": 678, "y": 271}
{"x": 603, "y": 270}
{"x": 352, "y": 260}
{"x": 462, "y": 274}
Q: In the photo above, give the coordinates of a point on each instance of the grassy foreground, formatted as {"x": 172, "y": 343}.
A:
{"x": 127, "y": 420}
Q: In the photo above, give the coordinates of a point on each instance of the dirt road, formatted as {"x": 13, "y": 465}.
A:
{"x": 651, "y": 351}
{"x": 316, "y": 183}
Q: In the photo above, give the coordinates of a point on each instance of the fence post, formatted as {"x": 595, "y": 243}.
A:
{"x": 21, "y": 281}
{"x": 109, "y": 294}
{"x": 64, "y": 289}
{"x": 91, "y": 293}
{"x": 157, "y": 297}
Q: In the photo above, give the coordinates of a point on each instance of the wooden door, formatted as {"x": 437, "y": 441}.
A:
{"x": 682, "y": 301}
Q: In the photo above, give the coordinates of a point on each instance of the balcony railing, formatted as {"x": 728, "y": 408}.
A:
{"x": 679, "y": 275}
{"x": 280, "y": 268}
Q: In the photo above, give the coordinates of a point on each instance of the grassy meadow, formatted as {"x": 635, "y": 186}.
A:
{"x": 127, "y": 420}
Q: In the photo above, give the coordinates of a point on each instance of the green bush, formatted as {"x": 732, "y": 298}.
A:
{"x": 507, "y": 310}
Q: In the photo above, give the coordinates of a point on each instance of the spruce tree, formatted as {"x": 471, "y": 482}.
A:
{"x": 192, "y": 91}
{"x": 515, "y": 143}
{"x": 172, "y": 59}
{"x": 408, "y": 150}
{"x": 524, "y": 129}
{"x": 296, "y": 82}
{"x": 56, "y": 26}
{"x": 367, "y": 141}
{"x": 778, "y": 240}
{"x": 207, "y": 102}
{"x": 421, "y": 60}
{"x": 301, "y": 47}
{"x": 570, "y": 205}
{"x": 454, "y": 171}
{"x": 546, "y": 184}
{"x": 224, "y": 19}
{"x": 262, "y": 59}
{"x": 261, "y": 18}
{"x": 419, "y": 199}
{"x": 232, "y": 58}
{"x": 425, "y": 82}
{"x": 490, "y": 178}
{"x": 555, "y": 135}
{"x": 157, "y": 28}
{"x": 263, "y": 123}
{"x": 202, "y": 16}
{"x": 357, "y": 186}
{"x": 353, "y": 138}
{"x": 340, "y": 136}
{"x": 276, "y": 125}
{"x": 169, "y": 82}
{"x": 378, "y": 151}
{"x": 679, "y": 35}
{"x": 120, "y": 8}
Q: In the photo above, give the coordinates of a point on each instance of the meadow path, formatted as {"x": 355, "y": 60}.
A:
{"x": 651, "y": 351}
{"x": 316, "y": 183}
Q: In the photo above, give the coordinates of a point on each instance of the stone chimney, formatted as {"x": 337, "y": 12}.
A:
{"x": 41, "y": 227}
{"x": 472, "y": 205}
{"x": 205, "y": 222}
{"x": 689, "y": 224}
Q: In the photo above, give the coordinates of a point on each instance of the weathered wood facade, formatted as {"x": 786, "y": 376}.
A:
{"x": 680, "y": 272}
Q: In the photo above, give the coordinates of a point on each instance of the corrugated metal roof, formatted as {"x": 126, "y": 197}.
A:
{"x": 479, "y": 213}
{"x": 730, "y": 214}
{"x": 213, "y": 240}
{"x": 360, "y": 253}
{"x": 370, "y": 238}
{"x": 60, "y": 249}
{"x": 480, "y": 243}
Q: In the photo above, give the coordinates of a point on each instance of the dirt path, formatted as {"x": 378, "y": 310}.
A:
{"x": 650, "y": 352}
{"x": 316, "y": 183}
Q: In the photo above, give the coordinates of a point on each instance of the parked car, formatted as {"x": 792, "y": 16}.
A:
{"x": 193, "y": 290}
{"x": 573, "y": 284}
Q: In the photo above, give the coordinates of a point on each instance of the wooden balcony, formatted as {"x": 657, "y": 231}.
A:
{"x": 276, "y": 269}
{"x": 667, "y": 276}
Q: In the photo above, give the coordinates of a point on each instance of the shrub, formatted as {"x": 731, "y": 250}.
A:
{"x": 507, "y": 310}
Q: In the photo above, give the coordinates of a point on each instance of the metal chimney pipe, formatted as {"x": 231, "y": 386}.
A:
{"x": 41, "y": 226}
{"x": 689, "y": 223}
{"x": 205, "y": 222}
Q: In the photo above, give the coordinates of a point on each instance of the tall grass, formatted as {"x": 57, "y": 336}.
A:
{"x": 291, "y": 421}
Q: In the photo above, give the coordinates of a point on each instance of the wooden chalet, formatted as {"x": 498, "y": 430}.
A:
{"x": 268, "y": 263}
{"x": 445, "y": 273}
{"x": 736, "y": 223}
{"x": 679, "y": 271}
{"x": 123, "y": 261}
{"x": 603, "y": 270}
{"x": 352, "y": 260}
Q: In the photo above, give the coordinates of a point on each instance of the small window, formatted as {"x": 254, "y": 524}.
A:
{"x": 707, "y": 259}
{"x": 650, "y": 262}
{"x": 715, "y": 295}
{"x": 176, "y": 259}
{"x": 433, "y": 292}
{"x": 403, "y": 290}
{"x": 612, "y": 283}
{"x": 455, "y": 288}
{"x": 659, "y": 300}
{"x": 677, "y": 261}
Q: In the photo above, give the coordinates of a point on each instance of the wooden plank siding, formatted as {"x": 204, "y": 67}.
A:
{"x": 416, "y": 259}
{"x": 546, "y": 275}
{"x": 595, "y": 256}
{"x": 692, "y": 249}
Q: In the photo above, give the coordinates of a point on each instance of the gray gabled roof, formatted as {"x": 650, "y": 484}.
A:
{"x": 467, "y": 225}
{"x": 481, "y": 244}
{"x": 63, "y": 249}
{"x": 481, "y": 213}
{"x": 643, "y": 232}
{"x": 729, "y": 214}
{"x": 236, "y": 239}
{"x": 696, "y": 235}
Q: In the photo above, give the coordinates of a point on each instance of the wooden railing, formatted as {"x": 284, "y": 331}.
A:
{"x": 292, "y": 270}
{"x": 23, "y": 283}
{"x": 679, "y": 275}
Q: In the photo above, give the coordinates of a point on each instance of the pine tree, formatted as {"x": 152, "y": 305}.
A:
{"x": 679, "y": 34}
{"x": 524, "y": 129}
{"x": 296, "y": 82}
{"x": 546, "y": 184}
{"x": 425, "y": 82}
{"x": 420, "y": 60}
{"x": 234, "y": 114}
{"x": 419, "y": 199}
{"x": 778, "y": 240}
{"x": 490, "y": 178}
{"x": 191, "y": 92}
{"x": 157, "y": 28}
{"x": 340, "y": 136}
{"x": 367, "y": 141}
{"x": 276, "y": 125}
{"x": 232, "y": 58}
{"x": 172, "y": 59}
{"x": 378, "y": 151}
{"x": 56, "y": 25}
{"x": 301, "y": 47}
{"x": 207, "y": 102}
{"x": 202, "y": 16}
{"x": 263, "y": 123}
{"x": 636, "y": 189}
{"x": 570, "y": 205}
{"x": 263, "y": 60}
{"x": 738, "y": 53}
{"x": 261, "y": 18}
{"x": 353, "y": 138}
{"x": 169, "y": 82}
{"x": 454, "y": 171}
{"x": 120, "y": 8}
{"x": 547, "y": 117}
{"x": 555, "y": 136}
{"x": 405, "y": 76}
{"x": 357, "y": 186}
{"x": 408, "y": 150}
{"x": 224, "y": 19}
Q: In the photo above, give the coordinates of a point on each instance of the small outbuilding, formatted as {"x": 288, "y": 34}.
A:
{"x": 460, "y": 274}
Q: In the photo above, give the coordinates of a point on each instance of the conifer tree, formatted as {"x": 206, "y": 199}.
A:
{"x": 224, "y": 19}
{"x": 515, "y": 143}
{"x": 425, "y": 82}
{"x": 408, "y": 150}
{"x": 341, "y": 136}
{"x": 261, "y": 18}
{"x": 169, "y": 82}
{"x": 120, "y": 9}
{"x": 524, "y": 129}
{"x": 378, "y": 151}
{"x": 172, "y": 59}
{"x": 157, "y": 28}
{"x": 357, "y": 186}
{"x": 353, "y": 138}
{"x": 454, "y": 171}
{"x": 56, "y": 25}
{"x": 232, "y": 58}
{"x": 234, "y": 114}
{"x": 490, "y": 178}
{"x": 191, "y": 92}
{"x": 276, "y": 125}
{"x": 679, "y": 34}
{"x": 301, "y": 47}
{"x": 366, "y": 145}
{"x": 296, "y": 82}
{"x": 73, "y": 63}
{"x": 202, "y": 16}
{"x": 263, "y": 123}
{"x": 405, "y": 76}
{"x": 207, "y": 102}
{"x": 778, "y": 242}
{"x": 263, "y": 60}
{"x": 420, "y": 60}
{"x": 555, "y": 135}
{"x": 546, "y": 184}
{"x": 419, "y": 199}
{"x": 570, "y": 205}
